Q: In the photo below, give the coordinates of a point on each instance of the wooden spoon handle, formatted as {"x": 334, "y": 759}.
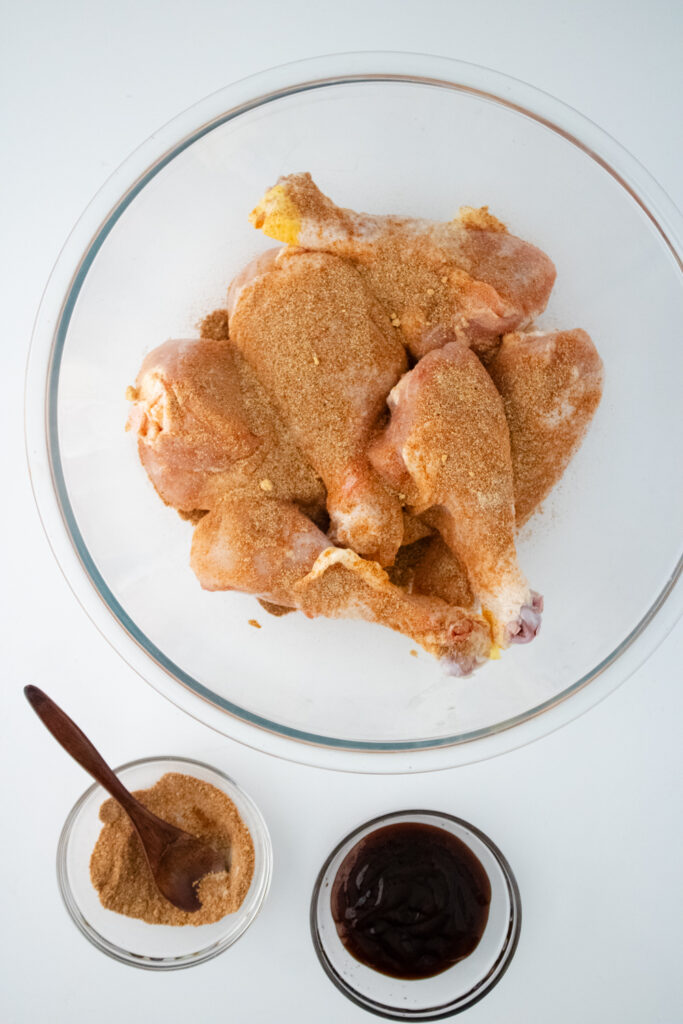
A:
{"x": 76, "y": 743}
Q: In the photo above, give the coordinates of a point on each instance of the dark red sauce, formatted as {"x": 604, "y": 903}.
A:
{"x": 410, "y": 900}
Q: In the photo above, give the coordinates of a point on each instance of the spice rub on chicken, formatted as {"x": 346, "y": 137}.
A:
{"x": 360, "y": 431}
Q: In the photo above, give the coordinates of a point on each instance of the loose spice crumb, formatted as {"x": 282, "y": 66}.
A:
{"x": 194, "y": 516}
{"x": 278, "y": 610}
{"x": 255, "y": 623}
{"x": 316, "y": 360}
{"x": 479, "y": 219}
{"x": 119, "y": 869}
{"x": 215, "y": 326}
{"x": 413, "y": 653}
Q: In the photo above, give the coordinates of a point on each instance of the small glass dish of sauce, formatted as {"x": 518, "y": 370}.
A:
{"x": 415, "y": 915}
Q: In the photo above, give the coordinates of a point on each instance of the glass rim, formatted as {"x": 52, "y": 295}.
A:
{"x": 495, "y": 971}
{"x": 153, "y": 655}
{"x": 125, "y": 956}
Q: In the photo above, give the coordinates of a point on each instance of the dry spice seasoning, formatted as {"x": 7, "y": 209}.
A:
{"x": 121, "y": 875}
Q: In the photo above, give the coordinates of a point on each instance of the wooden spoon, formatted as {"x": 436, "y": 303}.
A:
{"x": 176, "y": 859}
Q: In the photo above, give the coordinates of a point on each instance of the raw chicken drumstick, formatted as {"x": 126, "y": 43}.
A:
{"x": 269, "y": 548}
{"x": 467, "y": 279}
{"x": 205, "y": 426}
{"x": 447, "y": 448}
{"x": 327, "y": 355}
{"x": 551, "y": 384}
{"x": 187, "y": 413}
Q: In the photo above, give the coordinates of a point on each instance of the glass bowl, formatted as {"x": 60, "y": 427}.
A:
{"x": 155, "y": 251}
{"x": 152, "y": 946}
{"x": 455, "y": 989}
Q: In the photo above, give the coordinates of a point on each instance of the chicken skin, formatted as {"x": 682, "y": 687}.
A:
{"x": 551, "y": 384}
{"x": 326, "y": 353}
{"x": 205, "y": 426}
{"x": 269, "y": 548}
{"x": 189, "y": 418}
{"x": 447, "y": 448}
{"x": 467, "y": 279}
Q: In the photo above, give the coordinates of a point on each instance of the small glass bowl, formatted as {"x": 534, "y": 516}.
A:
{"x": 455, "y": 989}
{"x": 155, "y": 947}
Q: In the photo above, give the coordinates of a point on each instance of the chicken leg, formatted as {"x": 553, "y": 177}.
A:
{"x": 551, "y": 384}
{"x": 269, "y": 548}
{"x": 327, "y": 355}
{"x": 447, "y": 448}
{"x": 467, "y": 279}
{"x": 205, "y": 425}
{"x": 188, "y": 415}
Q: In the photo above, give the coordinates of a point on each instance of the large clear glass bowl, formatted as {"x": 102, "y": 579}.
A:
{"x": 155, "y": 251}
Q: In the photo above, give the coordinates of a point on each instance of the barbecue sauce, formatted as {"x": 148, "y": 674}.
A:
{"x": 410, "y": 900}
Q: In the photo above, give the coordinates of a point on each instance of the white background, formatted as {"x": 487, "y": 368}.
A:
{"x": 589, "y": 817}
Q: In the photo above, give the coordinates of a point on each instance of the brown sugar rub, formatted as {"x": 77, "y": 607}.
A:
{"x": 119, "y": 870}
{"x": 272, "y": 433}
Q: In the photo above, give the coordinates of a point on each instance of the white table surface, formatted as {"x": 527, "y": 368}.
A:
{"x": 588, "y": 817}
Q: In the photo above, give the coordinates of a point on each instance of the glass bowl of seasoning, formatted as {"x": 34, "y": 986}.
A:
{"x": 415, "y": 915}
{"x": 107, "y": 887}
